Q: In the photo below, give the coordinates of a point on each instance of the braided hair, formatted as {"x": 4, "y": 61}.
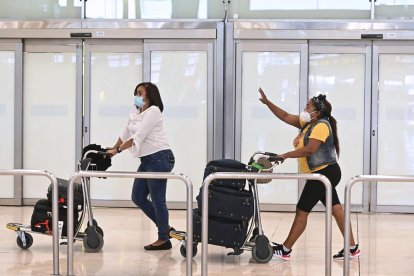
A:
{"x": 325, "y": 108}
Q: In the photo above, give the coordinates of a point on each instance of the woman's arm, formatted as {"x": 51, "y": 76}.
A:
{"x": 307, "y": 150}
{"x": 290, "y": 119}
{"x": 119, "y": 147}
{"x": 118, "y": 142}
{"x": 124, "y": 136}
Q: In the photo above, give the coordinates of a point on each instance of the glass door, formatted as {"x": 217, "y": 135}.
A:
{"x": 184, "y": 75}
{"x": 342, "y": 71}
{"x": 278, "y": 68}
{"x": 52, "y": 111}
{"x": 393, "y": 124}
{"x": 112, "y": 71}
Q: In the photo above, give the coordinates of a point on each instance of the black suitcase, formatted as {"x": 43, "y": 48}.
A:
{"x": 228, "y": 203}
{"x": 42, "y": 217}
{"x": 220, "y": 231}
{"x": 63, "y": 193}
{"x": 226, "y": 165}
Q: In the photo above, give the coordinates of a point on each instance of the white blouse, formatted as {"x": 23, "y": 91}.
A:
{"x": 146, "y": 130}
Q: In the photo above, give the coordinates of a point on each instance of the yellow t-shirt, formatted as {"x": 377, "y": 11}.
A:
{"x": 319, "y": 132}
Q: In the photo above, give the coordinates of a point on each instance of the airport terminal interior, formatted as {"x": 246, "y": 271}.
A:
{"x": 69, "y": 69}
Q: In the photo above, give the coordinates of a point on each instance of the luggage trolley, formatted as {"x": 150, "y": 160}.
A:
{"x": 239, "y": 226}
{"x": 93, "y": 158}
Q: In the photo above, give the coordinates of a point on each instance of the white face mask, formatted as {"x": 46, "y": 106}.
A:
{"x": 305, "y": 116}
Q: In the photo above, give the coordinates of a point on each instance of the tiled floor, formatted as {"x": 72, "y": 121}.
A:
{"x": 386, "y": 240}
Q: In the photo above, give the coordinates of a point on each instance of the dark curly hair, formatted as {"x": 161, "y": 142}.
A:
{"x": 325, "y": 108}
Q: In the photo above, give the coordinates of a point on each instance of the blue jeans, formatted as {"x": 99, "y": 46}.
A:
{"x": 156, "y": 209}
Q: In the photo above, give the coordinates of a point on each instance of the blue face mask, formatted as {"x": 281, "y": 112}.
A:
{"x": 138, "y": 101}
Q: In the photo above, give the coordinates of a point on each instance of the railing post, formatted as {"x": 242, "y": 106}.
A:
{"x": 55, "y": 209}
{"x": 204, "y": 212}
{"x": 348, "y": 188}
{"x": 150, "y": 175}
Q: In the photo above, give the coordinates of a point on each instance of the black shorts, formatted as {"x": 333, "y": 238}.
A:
{"x": 315, "y": 190}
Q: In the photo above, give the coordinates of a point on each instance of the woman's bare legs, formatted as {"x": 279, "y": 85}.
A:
{"x": 300, "y": 221}
{"x": 339, "y": 215}
{"x": 298, "y": 226}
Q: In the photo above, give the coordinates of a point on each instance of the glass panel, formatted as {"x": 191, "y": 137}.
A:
{"x": 111, "y": 101}
{"x": 299, "y": 9}
{"x": 157, "y": 9}
{"x": 394, "y": 9}
{"x": 309, "y": 5}
{"x": 40, "y": 9}
{"x": 278, "y": 74}
{"x": 154, "y": 9}
{"x": 196, "y": 9}
{"x": 396, "y": 127}
{"x": 7, "y": 64}
{"x": 113, "y": 9}
{"x": 184, "y": 94}
{"x": 342, "y": 78}
{"x": 48, "y": 118}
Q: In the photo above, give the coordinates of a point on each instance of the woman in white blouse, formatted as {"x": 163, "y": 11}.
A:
{"x": 145, "y": 138}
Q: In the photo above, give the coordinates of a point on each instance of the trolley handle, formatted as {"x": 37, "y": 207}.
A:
{"x": 276, "y": 159}
{"x": 103, "y": 153}
{"x": 270, "y": 154}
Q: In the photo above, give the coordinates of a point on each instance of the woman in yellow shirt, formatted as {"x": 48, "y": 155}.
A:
{"x": 316, "y": 148}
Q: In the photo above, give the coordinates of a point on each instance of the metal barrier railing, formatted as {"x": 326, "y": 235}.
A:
{"x": 313, "y": 176}
{"x": 149, "y": 175}
{"x": 55, "y": 209}
{"x": 348, "y": 187}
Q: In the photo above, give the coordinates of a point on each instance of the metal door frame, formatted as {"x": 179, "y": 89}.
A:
{"x": 16, "y": 45}
{"x": 387, "y": 47}
{"x": 353, "y": 47}
{"x": 214, "y": 128}
{"x": 102, "y": 46}
{"x": 60, "y": 46}
{"x": 145, "y": 46}
{"x": 298, "y": 46}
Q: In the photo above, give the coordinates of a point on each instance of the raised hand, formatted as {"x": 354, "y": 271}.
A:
{"x": 263, "y": 97}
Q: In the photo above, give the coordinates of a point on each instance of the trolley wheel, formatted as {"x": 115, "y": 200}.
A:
{"x": 93, "y": 240}
{"x": 183, "y": 250}
{"x": 94, "y": 222}
{"x": 254, "y": 234}
{"x": 262, "y": 251}
{"x": 29, "y": 241}
{"x": 99, "y": 230}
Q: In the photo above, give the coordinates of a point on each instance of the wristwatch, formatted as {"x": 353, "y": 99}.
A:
{"x": 118, "y": 150}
